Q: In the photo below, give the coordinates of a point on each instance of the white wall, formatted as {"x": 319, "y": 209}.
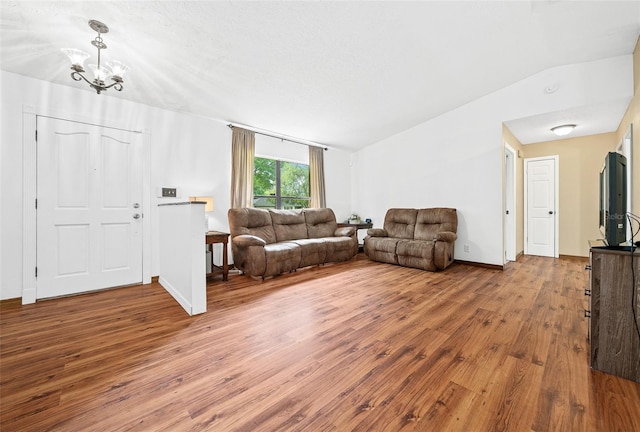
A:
{"x": 440, "y": 163}
{"x": 188, "y": 152}
{"x": 455, "y": 160}
{"x": 451, "y": 160}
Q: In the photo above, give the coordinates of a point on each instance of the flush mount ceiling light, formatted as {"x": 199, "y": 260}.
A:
{"x": 563, "y": 130}
{"x": 114, "y": 69}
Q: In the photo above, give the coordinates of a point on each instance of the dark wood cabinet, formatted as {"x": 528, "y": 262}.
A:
{"x": 615, "y": 343}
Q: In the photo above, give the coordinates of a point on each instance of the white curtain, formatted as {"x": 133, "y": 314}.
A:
{"x": 242, "y": 153}
{"x": 316, "y": 177}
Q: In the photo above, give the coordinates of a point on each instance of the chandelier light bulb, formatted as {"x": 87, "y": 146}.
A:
{"x": 101, "y": 73}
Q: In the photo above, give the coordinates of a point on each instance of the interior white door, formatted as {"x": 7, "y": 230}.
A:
{"x": 509, "y": 205}
{"x": 541, "y": 211}
{"x": 89, "y": 209}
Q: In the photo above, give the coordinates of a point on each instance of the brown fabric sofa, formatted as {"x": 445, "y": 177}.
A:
{"x": 419, "y": 238}
{"x": 269, "y": 242}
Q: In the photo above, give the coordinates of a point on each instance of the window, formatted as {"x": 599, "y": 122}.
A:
{"x": 279, "y": 184}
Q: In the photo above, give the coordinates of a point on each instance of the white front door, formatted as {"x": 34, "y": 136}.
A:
{"x": 89, "y": 209}
{"x": 541, "y": 215}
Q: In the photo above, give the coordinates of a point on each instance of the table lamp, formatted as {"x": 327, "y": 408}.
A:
{"x": 208, "y": 207}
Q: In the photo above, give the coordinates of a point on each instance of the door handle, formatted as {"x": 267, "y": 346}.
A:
{"x": 136, "y": 215}
{"x": 550, "y": 211}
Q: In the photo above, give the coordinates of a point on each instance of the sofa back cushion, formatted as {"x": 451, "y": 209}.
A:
{"x": 320, "y": 222}
{"x": 288, "y": 224}
{"x": 430, "y": 221}
{"x": 400, "y": 223}
{"x": 251, "y": 221}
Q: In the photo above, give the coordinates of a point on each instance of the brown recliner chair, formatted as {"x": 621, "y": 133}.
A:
{"x": 419, "y": 238}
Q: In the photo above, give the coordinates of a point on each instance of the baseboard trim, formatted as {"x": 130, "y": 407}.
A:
{"x": 572, "y": 256}
{"x": 483, "y": 265}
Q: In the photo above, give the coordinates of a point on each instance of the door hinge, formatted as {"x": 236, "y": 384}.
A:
{"x": 36, "y": 271}
{"x": 36, "y": 135}
{"x": 36, "y": 203}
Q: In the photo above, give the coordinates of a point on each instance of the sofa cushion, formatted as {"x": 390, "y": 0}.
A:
{"x": 281, "y": 258}
{"x": 415, "y": 248}
{"x": 430, "y": 221}
{"x": 339, "y": 248}
{"x": 251, "y": 221}
{"x": 416, "y": 254}
{"x": 312, "y": 251}
{"x": 288, "y": 224}
{"x": 381, "y": 249}
{"x": 320, "y": 222}
{"x": 400, "y": 223}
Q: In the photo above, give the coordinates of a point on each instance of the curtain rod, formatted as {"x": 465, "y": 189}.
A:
{"x": 280, "y": 137}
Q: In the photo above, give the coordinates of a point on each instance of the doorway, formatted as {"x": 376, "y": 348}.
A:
{"x": 541, "y": 206}
{"x": 88, "y": 213}
{"x": 509, "y": 205}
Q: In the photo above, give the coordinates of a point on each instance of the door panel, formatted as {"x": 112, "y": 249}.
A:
{"x": 88, "y": 181}
{"x": 71, "y": 159}
{"x": 115, "y": 182}
{"x": 115, "y": 253}
{"x": 72, "y": 252}
{"x": 541, "y": 214}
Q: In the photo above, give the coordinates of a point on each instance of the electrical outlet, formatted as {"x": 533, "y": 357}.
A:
{"x": 466, "y": 248}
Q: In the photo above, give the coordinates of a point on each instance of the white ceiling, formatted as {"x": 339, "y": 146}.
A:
{"x": 345, "y": 74}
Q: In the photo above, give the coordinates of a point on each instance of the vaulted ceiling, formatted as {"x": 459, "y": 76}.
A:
{"x": 346, "y": 74}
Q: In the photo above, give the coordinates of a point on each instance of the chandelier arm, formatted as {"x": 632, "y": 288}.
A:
{"x": 116, "y": 86}
{"x": 77, "y": 76}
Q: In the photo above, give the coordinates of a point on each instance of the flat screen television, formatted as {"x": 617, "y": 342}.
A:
{"x": 613, "y": 199}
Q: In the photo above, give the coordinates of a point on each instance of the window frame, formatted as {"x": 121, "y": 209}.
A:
{"x": 278, "y": 195}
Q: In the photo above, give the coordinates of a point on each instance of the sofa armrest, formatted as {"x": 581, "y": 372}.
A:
{"x": 245, "y": 240}
{"x": 445, "y": 236}
{"x": 344, "y": 231}
{"x": 377, "y": 232}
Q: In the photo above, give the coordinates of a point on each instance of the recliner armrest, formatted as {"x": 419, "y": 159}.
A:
{"x": 344, "y": 231}
{"x": 445, "y": 236}
{"x": 377, "y": 232}
{"x": 245, "y": 240}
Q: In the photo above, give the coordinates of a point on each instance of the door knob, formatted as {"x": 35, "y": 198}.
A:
{"x": 550, "y": 211}
{"x": 136, "y": 215}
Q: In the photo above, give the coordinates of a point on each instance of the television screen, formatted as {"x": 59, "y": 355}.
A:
{"x": 613, "y": 199}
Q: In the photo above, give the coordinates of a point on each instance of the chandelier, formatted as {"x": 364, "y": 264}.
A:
{"x": 101, "y": 74}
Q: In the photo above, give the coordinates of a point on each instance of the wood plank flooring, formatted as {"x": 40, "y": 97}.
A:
{"x": 356, "y": 346}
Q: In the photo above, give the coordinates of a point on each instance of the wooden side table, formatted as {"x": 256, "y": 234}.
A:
{"x": 358, "y": 227}
{"x": 213, "y": 237}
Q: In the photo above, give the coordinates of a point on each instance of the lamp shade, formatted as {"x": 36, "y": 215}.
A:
{"x": 76, "y": 56}
{"x": 117, "y": 68}
{"x": 100, "y": 72}
{"x": 208, "y": 207}
{"x": 563, "y": 130}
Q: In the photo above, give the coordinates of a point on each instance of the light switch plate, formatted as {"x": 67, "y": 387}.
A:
{"x": 168, "y": 192}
